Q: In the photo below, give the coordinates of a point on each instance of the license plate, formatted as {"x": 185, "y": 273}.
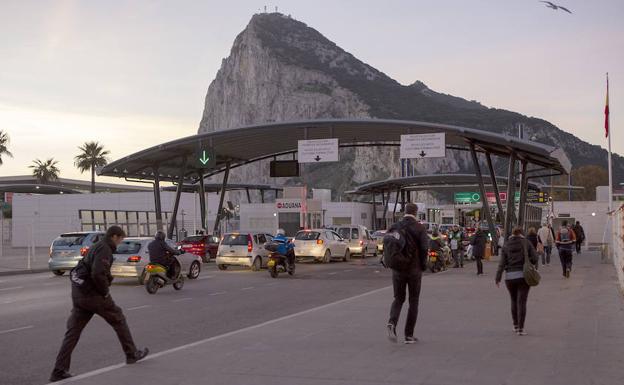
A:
{"x": 271, "y": 263}
{"x": 433, "y": 259}
{"x": 187, "y": 246}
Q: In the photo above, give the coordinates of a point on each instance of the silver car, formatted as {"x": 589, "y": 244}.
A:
{"x": 69, "y": 248}
{"x": 243, "y": 249}
{"x": 358, "y": 240}
{"x": 322, "y": 245}
{"x": 132, "y": 256}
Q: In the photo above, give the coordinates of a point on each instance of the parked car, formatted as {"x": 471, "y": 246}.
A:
{"x": 378, "y": 236}
{"x": 132, "y": 256}
{"x": 358, "y": 240}
{"x": 206, "y": 246}
{"x": 243, "y": 249}
{"x": 322, "y": 245}
{"x": 69, "y": 248}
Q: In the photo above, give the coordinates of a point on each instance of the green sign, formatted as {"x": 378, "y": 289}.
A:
{"x": 205, "y": 157}
{"x": 467, "y": 197}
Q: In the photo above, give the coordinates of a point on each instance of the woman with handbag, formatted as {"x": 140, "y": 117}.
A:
{"x": 518, "y": 261}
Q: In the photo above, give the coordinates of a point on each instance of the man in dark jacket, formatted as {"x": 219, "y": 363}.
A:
{"x": 417, "y": 245}
{"x": 580, "y": 236}
{"x": 478, "y": 242}
{"x": 161, "y": 253}
{"x": 91, "y": 280}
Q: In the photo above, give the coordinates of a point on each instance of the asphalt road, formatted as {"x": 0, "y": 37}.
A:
{"x": 34, "y": 309}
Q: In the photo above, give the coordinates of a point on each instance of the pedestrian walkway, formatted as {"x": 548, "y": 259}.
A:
{"x": 14, "y": 260}
{"x": 575, "y": 326}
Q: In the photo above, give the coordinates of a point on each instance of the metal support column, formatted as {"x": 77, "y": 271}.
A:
{"x": 202, "y": 202}
{"x": 176, "y": 203}
{"x": 484, "y": 201}
{"x": 157, "y": 203}
{"x": 511, "y": 195}
{"x": 248, "y": 195}
{"x": 523, "y": 193}
{"x": 262, "y": 196}
{"x": 396, "y": 202}
{"x": 385, "y": 209}
{"x": 374, "y": 213}
{"x": 226, "y": 175}
{"x": 499, "y": 203}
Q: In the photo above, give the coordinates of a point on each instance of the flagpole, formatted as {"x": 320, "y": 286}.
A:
{"x": 609, "y": 144}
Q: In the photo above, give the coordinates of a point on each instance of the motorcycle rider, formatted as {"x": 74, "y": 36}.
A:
{"x": 161, "y": 253}
{"x": 436, "y": 245}
{"x": 285, "y": 248}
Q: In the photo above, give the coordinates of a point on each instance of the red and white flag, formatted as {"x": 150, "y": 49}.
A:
{"x": 606, "y": 125}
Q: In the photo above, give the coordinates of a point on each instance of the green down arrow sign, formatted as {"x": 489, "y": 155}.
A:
{"x": 205, "y": 158}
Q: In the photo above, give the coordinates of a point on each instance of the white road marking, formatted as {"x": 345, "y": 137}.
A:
{"x": 332, "y": 273}
{"x": 206, "y": 277}
{"x": 138, "y": 307}
{"x": 12, "y": 288}
{"x": 218, "y": 293}
{"x": 348, "y": 270}
{"x": 248, "y": 288}
{"x": 220, "y": 336}
{"x": 272, "y": 284}
{"x": 9, "y": 301}
{"x": 182, "y": 299}
{"x": 53, "y": 283}
{"x": 16, "y": 329}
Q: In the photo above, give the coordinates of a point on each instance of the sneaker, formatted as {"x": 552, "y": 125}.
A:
{"x": 137, "y": 356}
{"x": 521, "y": 332}
{"x": 516, "y": 329}
{"x": 392, "y": 336}
{"x": 59, "y": 376}
{"x": 410, "y": 340}
{"x": 567, "y": 273}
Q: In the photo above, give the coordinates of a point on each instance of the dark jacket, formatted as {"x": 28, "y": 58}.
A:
{"x": 97, "y": 262}
{"x": 417, "y": 242}
{"x": 160, "y": 252}
{"x": 478, "y": 243}
{"x": 532, "y": 238}
{"x": 435, "y": 244}
{"x": 579, "y": 232}
{"x": 513, "y": 255}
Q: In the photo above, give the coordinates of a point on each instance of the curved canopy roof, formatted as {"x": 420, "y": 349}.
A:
{"x": 244, "y": 145}
{"x": 27, "y": 188}
{"x": 432, "y": 181}
{"x": 216, "y": 187}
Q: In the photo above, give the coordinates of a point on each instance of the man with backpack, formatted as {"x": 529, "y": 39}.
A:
{"x": 580, "y": 236}
{"x": 91, "y": 280}
{"x": 565, "y": 240}
{"x": 405, "y": 251}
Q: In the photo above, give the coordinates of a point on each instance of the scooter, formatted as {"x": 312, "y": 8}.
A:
{"x": 156, "y": 277}
{"x": 436, "y": 261}
{"x": 279, "y": 264}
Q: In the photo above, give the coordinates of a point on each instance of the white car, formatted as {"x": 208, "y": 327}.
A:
{"x": 322, "y": 245}
{"x": 243, "y": 249}
{"x": 358, "y": 240}
{"x": 132, "y": 256}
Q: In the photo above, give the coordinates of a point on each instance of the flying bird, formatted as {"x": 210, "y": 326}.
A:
{"x": 555, "y": 6}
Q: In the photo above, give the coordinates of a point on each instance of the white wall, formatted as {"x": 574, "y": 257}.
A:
{"x": 617, "y": 246}
{"x": 353, "y": 210}
{"x": 581, "y": 211}
{"x": 51, "y": 215}
{"x": 258, "y": 217}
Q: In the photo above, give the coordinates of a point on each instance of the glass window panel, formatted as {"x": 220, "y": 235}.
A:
{"x": 85, "y": 216}
{"x": 98, "y": 216}
{"x": 152, "y": 217}
{"x": 111, "y": 218}
{"x": 122, "y": 217}
{"x": 142, "y": 217}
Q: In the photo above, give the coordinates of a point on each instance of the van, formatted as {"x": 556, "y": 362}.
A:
{"x": 359, "y": 240}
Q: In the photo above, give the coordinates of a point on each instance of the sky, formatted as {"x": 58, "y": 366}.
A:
{"x": 132, "y": 74}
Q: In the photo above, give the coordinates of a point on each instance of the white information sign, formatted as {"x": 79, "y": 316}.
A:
{"x": 414, "y": 146}
{"x": 317, "y": 150}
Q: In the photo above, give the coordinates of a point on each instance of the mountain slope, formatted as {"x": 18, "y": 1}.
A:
{"x": 279, "y": 69}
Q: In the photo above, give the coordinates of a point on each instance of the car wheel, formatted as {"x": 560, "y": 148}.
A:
{"x": 58, "y": 272}
{"x": 222, "y": 267}
{"x": 257, "y": 264}
{"x": 194, "y": 270}
{"x": 327, "y": 256}
{"x": 347, "y": 256}
{"x": 375, "y": 252}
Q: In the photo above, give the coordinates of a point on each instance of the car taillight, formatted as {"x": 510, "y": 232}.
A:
{"x": 361, "y": 243}
{"x": 249, "y": 244}
{"x": 84, "y": 251}
{"x": 319, "y": 241}
{"x": 134, "y": 258}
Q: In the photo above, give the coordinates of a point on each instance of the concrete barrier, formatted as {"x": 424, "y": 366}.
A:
{"x": 617, "y": 244}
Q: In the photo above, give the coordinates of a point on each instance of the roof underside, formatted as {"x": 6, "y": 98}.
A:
{"x": 244, "y": 145}
{"x": 27, "y": 188}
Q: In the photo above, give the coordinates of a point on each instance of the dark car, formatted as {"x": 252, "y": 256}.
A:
{"x": 205, "y": 246}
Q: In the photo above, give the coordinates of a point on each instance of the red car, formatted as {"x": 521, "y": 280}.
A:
{"x": 205, "y": 246}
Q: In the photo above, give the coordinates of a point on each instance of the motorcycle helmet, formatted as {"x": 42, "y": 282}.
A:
{"x": 160, "y": 235}
{"x": 281, "y": 232}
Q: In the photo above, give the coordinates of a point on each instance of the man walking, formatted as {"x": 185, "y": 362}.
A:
{"x": 479, "y": 242}
{"x": 417, "y": 244}
{"x": 565, "y": 244}
{"x": 91, "y": 280}
{"x": 456, "y": 237}
{"x": 545, "y": 237}
{"x": 580, "y": 236}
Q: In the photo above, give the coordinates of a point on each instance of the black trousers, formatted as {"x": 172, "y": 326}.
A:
{"x": 519, "y": 293}
{"x": 479, "y": 264}
{"x": 566, "y": 259}
{"x": 82, "y": 312}
{"x": 579, "y": 242}
{"x": 402, "y": 282}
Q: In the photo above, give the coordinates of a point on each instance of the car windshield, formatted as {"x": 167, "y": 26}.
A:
{"x": 194, "y": 238}
{"x": 67, "y": 240}
{"x": 235, "y": 240}
{"x": 307, "y": 236}
{"x": 344, "y": 232}
{"x": 128, "y": 247}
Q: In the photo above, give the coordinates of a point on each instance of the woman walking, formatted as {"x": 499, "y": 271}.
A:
{"x": 512, "y": 262}
{"x": 478, "y": 243}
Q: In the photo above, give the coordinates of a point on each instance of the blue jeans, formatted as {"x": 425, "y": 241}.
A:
{"x": 546, "y": 255}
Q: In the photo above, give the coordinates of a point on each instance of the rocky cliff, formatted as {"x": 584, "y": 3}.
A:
{"x": 279, "y": 69}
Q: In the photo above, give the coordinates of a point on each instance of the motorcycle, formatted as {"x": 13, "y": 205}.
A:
{"x": 436, "y": 261}
{"x": 156, "y": 277}
{"x": 279, "y": 264}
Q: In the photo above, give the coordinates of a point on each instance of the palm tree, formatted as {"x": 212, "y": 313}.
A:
{"x": 45, "y": 171}
{"x": 92, "y": 156}
{"x": 4, "y": 142}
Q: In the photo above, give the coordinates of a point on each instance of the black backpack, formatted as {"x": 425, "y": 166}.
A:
{"x": 395, "y": 254}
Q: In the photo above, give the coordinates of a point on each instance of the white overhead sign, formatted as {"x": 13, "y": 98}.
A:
{"x": 415, "y": 146}
{"x": 317, "y": 150}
